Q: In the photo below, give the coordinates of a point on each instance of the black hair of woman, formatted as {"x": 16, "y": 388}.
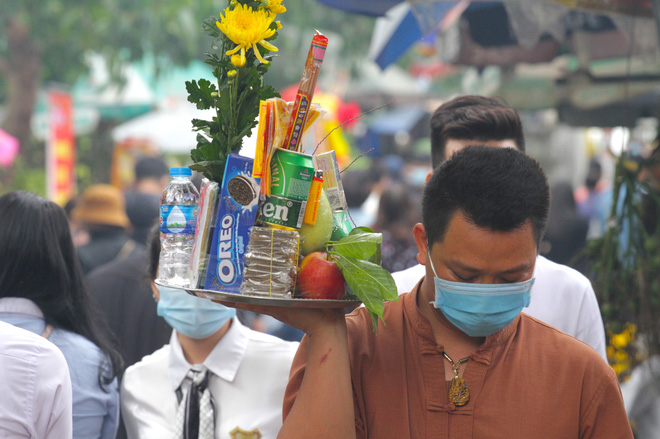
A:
{"x": 38, "y": 262}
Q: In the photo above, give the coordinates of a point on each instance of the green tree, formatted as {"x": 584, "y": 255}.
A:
{"x": 46, "y": 40}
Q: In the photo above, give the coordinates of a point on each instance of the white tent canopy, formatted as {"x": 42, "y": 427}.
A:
{"x": 170, "y": 129}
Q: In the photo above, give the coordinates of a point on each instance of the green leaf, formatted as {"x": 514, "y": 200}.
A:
{"x": 200, "y": 93}
{"x": 359, "y": 244}
{"x": 371, "y": 283}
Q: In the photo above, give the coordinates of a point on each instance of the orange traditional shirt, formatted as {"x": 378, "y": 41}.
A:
{"x": 528, "y": 380}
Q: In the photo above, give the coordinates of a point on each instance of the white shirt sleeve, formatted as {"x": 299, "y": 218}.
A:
{"x": 591, "y": 329}
{"x": 36, "y": 398}
{"x": 53, "y": 418}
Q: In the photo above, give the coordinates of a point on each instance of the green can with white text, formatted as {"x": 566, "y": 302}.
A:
{"x": 291, "y": 174}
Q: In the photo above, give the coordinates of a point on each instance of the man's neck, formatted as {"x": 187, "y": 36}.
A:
{"x": 196, "y": 350}
{"x": 456, "y": 343}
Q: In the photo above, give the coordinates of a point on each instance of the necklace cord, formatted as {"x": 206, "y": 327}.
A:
{"x": 455, "y": 366}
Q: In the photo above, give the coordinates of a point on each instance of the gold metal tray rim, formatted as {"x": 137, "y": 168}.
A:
{"x": 295, "y": 302}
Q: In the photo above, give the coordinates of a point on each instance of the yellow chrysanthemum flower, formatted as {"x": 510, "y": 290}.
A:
{"x": 247, "y": 28}
{"x": 274, "y": 6}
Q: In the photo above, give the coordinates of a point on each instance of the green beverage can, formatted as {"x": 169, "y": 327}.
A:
{"x": 291, "y": 174}
{"x": 281, "y": 212}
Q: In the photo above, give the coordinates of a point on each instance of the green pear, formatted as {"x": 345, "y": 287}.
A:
{"x": 313, "y": 238}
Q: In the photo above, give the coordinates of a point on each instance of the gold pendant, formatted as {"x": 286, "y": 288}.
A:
{"x": 459, "y": 395}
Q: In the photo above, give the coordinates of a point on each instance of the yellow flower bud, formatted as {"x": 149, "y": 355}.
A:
{"x": 238, "y": 60}
{"x": 231, "y": 73}
{"x": 214, "y": 94}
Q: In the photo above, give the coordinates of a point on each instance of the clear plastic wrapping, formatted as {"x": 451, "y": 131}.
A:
{"x": 271, "y": 262}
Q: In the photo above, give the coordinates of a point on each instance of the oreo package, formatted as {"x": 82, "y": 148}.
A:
{"x": 237, "y": 210}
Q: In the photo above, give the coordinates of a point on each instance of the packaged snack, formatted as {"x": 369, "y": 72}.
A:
{"x": 237, "y": 210}
{"x": 203, "y": 232}
{"x": 306, "y": 91}
{"x": 271, "y": 263}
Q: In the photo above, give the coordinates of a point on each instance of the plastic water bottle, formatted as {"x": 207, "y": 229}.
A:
{"x": 178, "y": 218}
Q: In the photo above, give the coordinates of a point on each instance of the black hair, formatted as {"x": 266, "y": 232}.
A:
{"x": 39, "y": 263}
{"x": 498, "y": 189}
{"x": 398, "y": 204}
{"x": 153, "y": 244}
{"x": 593, "y": 174}
{"x": 475, "y": 118}
{"x": 151, "y": 167}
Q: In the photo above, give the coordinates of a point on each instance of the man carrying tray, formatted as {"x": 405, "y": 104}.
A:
{"x": 455, "y": 357}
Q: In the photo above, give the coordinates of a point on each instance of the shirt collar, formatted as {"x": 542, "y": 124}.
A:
{"x": 423, "y": 327}
{"x": 20, "y": 305}
{"x": 223, "y": 361}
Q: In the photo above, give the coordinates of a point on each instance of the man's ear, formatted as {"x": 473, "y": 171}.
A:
{"x": 428, "y": 176}
{"x": 422, "y": 243}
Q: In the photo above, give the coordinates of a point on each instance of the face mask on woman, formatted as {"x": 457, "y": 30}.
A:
{"x": 191, "y": 316}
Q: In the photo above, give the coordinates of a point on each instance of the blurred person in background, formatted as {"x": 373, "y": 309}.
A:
{"x": 383, "y": 171}
{"x": 566, "y": 234}
{"x": 101, "y": 211}
{"x": 216, "y": 376}
{"x": 398, "y": 211}
{"x": 36, "y": 386}
{"x": 143, "y": 200}
{"x": 121, "y": 292}
{"x": 358, "y": 184}
{"x": 79, "y": 235}
{"x": 562, "y": 296}
{"x": 594, "y": 200}
{"x": 42, "y": 290}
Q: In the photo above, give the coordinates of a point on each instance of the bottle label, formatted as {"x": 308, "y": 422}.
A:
{"x": 178, "y": 218}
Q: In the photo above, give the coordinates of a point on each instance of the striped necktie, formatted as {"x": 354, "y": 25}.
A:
{"x": 195, "y": 418}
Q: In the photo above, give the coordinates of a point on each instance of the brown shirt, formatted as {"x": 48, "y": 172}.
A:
{"x": 528, "y": 380}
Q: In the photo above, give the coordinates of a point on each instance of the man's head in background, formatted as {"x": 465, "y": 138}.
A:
{"x": 151, "y": 175}
{"x": 143, "y": 201}
{"x": 473, "y": 120}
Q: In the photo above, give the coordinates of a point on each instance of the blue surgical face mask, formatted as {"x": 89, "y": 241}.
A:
{"x": 480, "y": 310}
{"x": 191, "y": 316}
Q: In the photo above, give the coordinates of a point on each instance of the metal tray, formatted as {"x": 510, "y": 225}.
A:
{"x": 265, "y": 300}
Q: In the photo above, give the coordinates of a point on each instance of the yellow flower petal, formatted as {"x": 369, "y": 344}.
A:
{"x": 258, "y": 55}
{"x": 233, "y": 51}
{"x": 268, "y": 46}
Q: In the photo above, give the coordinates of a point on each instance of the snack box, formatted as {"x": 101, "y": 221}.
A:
{"x": 237, "y": 210}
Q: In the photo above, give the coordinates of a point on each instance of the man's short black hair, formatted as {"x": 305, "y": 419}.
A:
{"x": 151, "y": 167}
{"x": 498, "y": 189}
{"x": 475, "y": 118}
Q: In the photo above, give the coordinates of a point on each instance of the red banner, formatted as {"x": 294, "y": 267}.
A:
{"x": 60, "y": 149}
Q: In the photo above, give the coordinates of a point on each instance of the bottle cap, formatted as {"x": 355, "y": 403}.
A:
{"x": 175, "y": 172}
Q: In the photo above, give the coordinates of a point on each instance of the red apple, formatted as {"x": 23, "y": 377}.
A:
{"x": 320, "y": 278}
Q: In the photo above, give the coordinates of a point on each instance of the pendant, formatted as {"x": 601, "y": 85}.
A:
{"x": 459, "y": 395}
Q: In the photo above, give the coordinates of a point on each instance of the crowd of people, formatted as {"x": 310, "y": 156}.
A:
{"x": 489, "y": 338}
